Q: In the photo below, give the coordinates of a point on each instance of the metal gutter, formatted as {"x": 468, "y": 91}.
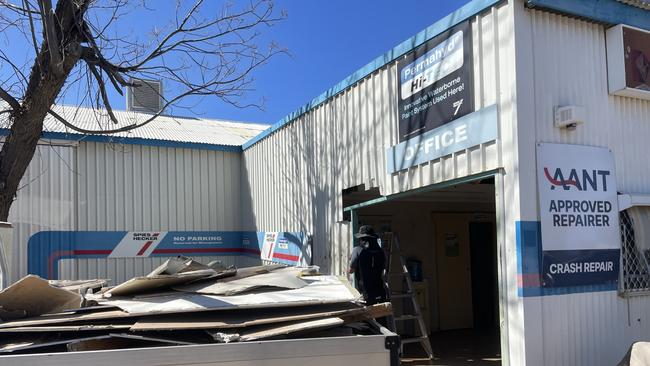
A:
{"x": 132, "y": 141}
{"x": 467, "y": 11}
{"x": 600, "y": 11}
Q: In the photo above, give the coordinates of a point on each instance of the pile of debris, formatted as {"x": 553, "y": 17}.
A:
{"x": 182, "y": 302}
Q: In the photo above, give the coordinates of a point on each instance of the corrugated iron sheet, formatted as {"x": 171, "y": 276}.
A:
{"x": 570, "y": 68}
{"x": 98, "y": 186}
{"x": 165, "y": 128}
{"x": 643, "y": 4}
{"x": 46, "y": 200}
{"x": 342, "y": 143}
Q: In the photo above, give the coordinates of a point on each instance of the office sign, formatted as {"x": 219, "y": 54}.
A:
{"x": 471, "y": 130}
{"x": 578, "y": 205}
{"x": 435, "y": 83}
{"x": 628, "y": 61}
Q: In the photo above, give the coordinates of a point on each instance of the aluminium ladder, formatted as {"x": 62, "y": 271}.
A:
{"x": 390, "y": 242}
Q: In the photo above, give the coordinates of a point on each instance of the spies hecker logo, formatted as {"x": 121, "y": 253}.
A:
{"x": 138, "y": 244}
{"x": 581, "y": 180}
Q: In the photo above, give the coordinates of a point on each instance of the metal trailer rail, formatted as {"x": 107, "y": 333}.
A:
{"x": 376, "y": 350}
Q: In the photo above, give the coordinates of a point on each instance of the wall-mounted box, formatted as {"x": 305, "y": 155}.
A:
{"x": 628, "y": 61}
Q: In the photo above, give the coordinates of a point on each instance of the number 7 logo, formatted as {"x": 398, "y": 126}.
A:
{"x": 457, "y": 105}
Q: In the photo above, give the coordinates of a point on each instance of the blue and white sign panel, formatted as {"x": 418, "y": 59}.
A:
{"x": 465, "y": 132}
{"x": 46, "y": 248}
{"x": 579, "y": 215}
{"x": 435, "y": 82}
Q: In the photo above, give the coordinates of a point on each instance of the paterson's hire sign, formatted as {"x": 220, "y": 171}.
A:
{"x": 579, "y": 214}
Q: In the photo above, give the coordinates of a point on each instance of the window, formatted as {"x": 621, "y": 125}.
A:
{"x": 635, "y": 250}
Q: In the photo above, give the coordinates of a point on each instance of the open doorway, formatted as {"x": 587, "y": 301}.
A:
{"x": 448, "y": 240}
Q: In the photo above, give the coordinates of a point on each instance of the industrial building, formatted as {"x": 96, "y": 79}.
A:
{"x": 505, "y": 145}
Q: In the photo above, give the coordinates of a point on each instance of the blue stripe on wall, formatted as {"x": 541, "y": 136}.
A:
{"x": 467, "y": 11}
{"x": 529, "y": 265}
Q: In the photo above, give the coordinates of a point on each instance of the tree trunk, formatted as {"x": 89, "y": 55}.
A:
{"x": 43, "y": 87}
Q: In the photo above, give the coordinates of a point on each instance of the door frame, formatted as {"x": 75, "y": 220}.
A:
{"x": 499, "y": 192}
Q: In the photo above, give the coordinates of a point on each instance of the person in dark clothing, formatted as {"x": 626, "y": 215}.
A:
{"x": 368, "y": 262}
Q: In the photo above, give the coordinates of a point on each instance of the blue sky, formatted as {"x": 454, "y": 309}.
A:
{"x": 327, "y": 41}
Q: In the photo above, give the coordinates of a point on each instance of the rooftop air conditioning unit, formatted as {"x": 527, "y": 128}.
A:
{"x": 145, "y": 97}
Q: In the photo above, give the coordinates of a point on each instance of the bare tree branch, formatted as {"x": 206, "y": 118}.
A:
{"x": 199, "y": 53}
{"x": 32, "y": 29}
{"x": 47, "y": 16}
{"x": 102, "y": 92}
{"x": 13, "y": 103}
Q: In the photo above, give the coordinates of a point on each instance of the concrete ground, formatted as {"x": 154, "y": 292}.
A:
{"x": 458, "y": 348}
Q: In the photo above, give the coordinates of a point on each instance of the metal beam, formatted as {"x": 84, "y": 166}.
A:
{"x": 429, "y": 188}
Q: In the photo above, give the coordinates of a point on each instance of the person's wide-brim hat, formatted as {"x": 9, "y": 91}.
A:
{"x": 366, "y": 231}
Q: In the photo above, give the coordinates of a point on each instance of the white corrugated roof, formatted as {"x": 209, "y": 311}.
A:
{"x": 165, "y": 128}
{"x": 643, "y": 4}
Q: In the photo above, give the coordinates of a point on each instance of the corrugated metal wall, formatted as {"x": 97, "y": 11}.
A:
{"x": 342, "y": 143}
{"x": 97, "y": 186}
{"x": 119, "y": 270}
{"x": 45, "y": 201}
{"x": 569, "y": 68}
{"x": 135, "y": 187}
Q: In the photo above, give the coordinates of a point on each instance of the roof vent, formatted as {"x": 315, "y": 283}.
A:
{"x": 643, "y": 4}
{"x": 146, "y": 97}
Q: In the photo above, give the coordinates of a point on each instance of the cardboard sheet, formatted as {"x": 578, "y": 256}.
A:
{"x": 284, "y": 278}
{"x": 36, "y": 296}
{"x": 148, "y": 283}
{"x": 286, "y": 328}
{"x": 79, "y": 285}
{"x": 114, "y": 341}
{"x": 70, "y": 317}
{"x": 176, "y": 265}
{"x": 241, "y": 318}
{"x": 319, "y": 290}
{"x": 66, "y": 328}
{"x": 108, "y": 341}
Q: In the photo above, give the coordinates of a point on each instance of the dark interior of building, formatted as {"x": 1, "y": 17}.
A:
{"x": 447, "y": 239}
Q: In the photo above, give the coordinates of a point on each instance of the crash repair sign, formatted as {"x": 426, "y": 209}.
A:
{"x": 579, "y": 215}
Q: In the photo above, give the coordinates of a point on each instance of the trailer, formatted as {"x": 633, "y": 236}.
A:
{"x": 379, "y": 349}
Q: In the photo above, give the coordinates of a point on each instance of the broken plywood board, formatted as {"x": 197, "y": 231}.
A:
{"x": 36, "y": 296}
{"x": 63, "y": 318}
{"x": 284, "y": 278}
{"x": 149, "y": 283}
{"x": 240, "y": 318}
{"x": 319, "y": 290}
{"x": 275, "y": 330}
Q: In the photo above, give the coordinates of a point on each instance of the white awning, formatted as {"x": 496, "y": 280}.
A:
{"x": 626, "y": 201}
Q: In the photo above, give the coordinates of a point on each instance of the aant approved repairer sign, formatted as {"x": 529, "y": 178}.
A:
{"x": 578, "y": 203}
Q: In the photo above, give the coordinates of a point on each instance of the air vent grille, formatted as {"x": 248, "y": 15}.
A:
{"x": 146, "y": 97}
